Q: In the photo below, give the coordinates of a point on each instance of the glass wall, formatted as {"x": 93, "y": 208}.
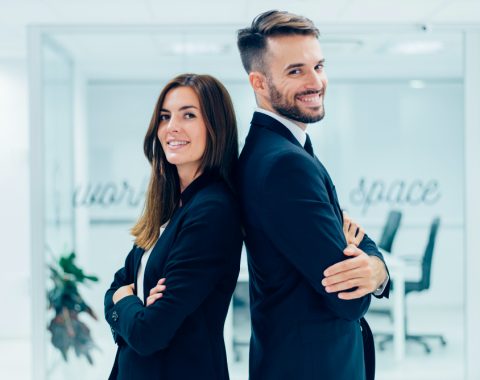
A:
{"x": 392, "y": 139}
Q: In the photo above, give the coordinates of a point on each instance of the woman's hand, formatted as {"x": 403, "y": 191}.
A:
{"x": 156, "y": 292}
{"x": 122, "y": 292}
{"x": 353, "y": 232}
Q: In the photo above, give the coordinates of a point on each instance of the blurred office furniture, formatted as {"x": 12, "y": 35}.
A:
{"x": 234, "y": 343}
{"x": 390, "y": 230}
{"x": 385, "y": 244}
{"x": 418, "y": 286}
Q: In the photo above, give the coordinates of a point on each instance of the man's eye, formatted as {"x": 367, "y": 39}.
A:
{"x": 294, "y": 72}
{"x": 319, "y": 67}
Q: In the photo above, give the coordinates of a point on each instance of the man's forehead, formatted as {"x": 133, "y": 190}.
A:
{"x": 298, "y": 48}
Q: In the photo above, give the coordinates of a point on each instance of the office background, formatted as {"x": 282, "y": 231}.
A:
{"x": 401, "y": 133}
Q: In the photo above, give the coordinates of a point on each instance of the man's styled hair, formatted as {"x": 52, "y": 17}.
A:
{"x": 252, "y": 41}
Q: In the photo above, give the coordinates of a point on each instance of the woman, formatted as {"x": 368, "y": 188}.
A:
{"x": 167, "y": 305}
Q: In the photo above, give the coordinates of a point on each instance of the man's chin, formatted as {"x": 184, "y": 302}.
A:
{"x": 313, "y": 117}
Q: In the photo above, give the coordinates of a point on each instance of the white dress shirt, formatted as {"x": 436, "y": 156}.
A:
{"x": 143, "y": 264}
{"x": 298, "y": 132}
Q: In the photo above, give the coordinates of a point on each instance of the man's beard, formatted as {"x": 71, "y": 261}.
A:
{"x": 291, "y": 110}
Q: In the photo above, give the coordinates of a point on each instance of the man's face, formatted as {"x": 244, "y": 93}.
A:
{"x": 296, "y": 80}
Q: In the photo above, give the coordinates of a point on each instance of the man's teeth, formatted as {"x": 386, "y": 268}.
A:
{"x": 309, "y": 98}
{"x": 176, "y": 143}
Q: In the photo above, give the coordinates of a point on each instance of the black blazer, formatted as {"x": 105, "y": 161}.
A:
{"x": 293, "y": 224}
{"x": 180, "y": 336}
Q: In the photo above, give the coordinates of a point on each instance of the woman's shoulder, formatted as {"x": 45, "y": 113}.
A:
{"x": 216, "y": 194}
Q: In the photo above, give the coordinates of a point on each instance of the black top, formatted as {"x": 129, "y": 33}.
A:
{"x": 180, "y": 336}
{"x": 293, "y": 224}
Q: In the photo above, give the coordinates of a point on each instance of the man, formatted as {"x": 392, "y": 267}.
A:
{"x": 308, "y": 289}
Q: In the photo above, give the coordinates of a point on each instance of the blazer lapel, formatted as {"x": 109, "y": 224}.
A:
{"x": 136, "y": 263}
{"x": 261, "y": 120}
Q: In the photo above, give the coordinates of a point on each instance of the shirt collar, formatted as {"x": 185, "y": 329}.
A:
{"x": 297, "y": 132}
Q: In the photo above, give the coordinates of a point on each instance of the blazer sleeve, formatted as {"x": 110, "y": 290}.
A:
{"x": 202, "y": 254}
{"x": 123, "y": 276}
{"x": 302, "y": 225}
{"x": 368, "y": 246}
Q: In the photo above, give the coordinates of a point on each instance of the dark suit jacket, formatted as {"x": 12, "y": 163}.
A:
{"x": 180, "y": 336}
{"x": 293, "y": 226}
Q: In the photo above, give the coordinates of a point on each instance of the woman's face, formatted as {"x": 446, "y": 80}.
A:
{"x": 182, "y": 131}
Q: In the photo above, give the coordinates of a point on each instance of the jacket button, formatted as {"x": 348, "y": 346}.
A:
{"x": 115, "y": 316}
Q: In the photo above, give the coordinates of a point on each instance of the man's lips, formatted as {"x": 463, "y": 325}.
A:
{"x": 311, "y": 99}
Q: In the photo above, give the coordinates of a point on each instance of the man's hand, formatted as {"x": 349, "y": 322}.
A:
{"x": 122, "y": 292}
{"x": 156, "y": 292}
{"x": 353, "y": 232}
{"x": 363, "y": 272}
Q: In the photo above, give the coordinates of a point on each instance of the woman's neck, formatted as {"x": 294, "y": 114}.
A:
{"x": 187, "y": 177}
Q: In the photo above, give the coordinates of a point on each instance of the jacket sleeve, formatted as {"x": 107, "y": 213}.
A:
{"x": 203, "y": 252}
{"x": 302, "y": 225}
{"x": 368, "y": 246}
{"x": 123, "y": 276}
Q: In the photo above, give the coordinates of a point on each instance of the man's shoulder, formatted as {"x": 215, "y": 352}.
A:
{"x": 263, "y": 142}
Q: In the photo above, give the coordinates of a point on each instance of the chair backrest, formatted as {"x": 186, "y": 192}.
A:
{"x": 428, "y": 255}
{"x": 390, "y": 230}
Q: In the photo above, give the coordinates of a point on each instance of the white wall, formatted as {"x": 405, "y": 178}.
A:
{"x": 14, "y": 200}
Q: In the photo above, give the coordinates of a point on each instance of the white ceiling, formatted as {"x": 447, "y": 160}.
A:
{"x": 16, "y": 15}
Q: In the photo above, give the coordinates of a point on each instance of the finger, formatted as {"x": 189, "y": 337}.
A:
{"x": 346, "y": 222}
{"x": 352, "y": 232}
{"x": 359, "y": 237}
{"x": 344, "y": 285}
{"x": 157, "y": 289}
{"x": 358, "y": 293}
{"x": 353, "y": 228}
{"x": 345, "y": 265}
{"x": 352, "y": 250}
{"x": 344, "y": 276}
{"x": 151, "y": 299}
{"x": 161, "y": 281}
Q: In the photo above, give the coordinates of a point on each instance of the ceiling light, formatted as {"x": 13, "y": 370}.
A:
{"x": 417, "y": 47}
{"x": 190, "y": 48}
{"x": 417, "y": 84}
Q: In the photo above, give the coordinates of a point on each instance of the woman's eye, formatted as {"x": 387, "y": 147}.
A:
{"x": 189, "y": 115}
{"x": 164, "y": 117}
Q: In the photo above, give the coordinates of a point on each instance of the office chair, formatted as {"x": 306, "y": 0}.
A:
{"x": 419, "y": 286}
{"x": 390, "y": 230}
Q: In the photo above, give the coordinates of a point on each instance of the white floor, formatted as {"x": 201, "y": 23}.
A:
{"x": 444, "y": 363}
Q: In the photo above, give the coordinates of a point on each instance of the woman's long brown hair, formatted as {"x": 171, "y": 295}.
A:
{"x": 219, "y": 158}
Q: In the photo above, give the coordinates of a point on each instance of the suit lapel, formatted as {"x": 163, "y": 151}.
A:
{"x": 136, "y": 262}
{"x": 261, "y": 120}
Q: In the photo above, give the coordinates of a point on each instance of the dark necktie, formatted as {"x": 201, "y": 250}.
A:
{"x": 308, "y": 146}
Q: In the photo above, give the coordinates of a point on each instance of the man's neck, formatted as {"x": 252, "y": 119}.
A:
{"x": 269, "y": 108}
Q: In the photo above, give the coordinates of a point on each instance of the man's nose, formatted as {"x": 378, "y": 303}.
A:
{"x": 316, "y": 80}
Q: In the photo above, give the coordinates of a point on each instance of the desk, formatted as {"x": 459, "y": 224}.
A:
{"x": 396, "y": 268}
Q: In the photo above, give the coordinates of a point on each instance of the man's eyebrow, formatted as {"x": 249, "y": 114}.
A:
{"x": 294, "y": 66}
{"x": 297, "y": 65}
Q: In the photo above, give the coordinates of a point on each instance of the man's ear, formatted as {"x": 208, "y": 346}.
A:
{"x": 258, "y": 82}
